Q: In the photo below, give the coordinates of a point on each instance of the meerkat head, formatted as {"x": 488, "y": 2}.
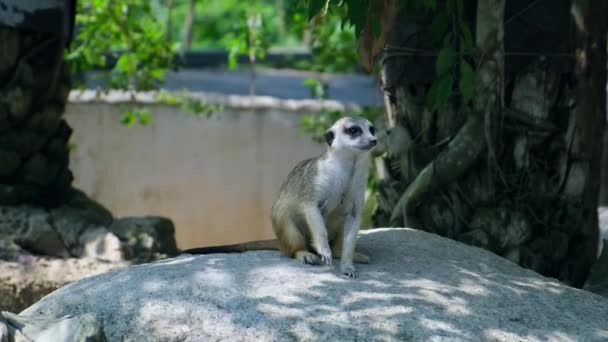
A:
{"x": 353, "y": 134}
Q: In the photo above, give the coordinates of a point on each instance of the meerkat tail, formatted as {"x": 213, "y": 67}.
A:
{"x": 259, "y": 245}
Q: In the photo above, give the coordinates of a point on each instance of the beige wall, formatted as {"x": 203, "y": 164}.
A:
{"x": 214, "y": 177}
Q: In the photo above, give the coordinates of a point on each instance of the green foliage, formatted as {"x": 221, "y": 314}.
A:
{"x": 188, "y": 103}
{"x": 318, "y": 88}
{"x": 132, "y": 31}
{"x": 454, "y": 72}
{"x": 126, "y": 25}
{"x": 251, "y": 33}
{"x": 134, "y": 115}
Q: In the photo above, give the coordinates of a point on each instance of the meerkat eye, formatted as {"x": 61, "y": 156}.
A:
{"x": 355, "y": 130}
{"x": 372, "y": 130}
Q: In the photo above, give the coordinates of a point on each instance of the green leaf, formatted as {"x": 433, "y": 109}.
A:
{"x": 467, "y": 39}
{"x": 445, "y": 60}
{"x": 440, "y": 92}
{"x": 376, "y": 27}
{"x": 126, "y": 63}
{"x": 450, "y": 7}
{"x": 430, "y": 4}
{"x": 466, "y": 84}
{"x": 144, "y": 116}
{"x": 128, "y": 119}
{"x": 439, "y": 26}
{"x": 357, "y": 10}
{"x": 404, "y": 4}
{"x": 460, "y": 9}
{"x": 316, "y": 6}
{"x": 310, "y": 82}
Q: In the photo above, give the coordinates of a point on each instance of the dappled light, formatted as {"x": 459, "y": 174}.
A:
{"x": 411, "y": 288}
{"x": 476, "y": 124}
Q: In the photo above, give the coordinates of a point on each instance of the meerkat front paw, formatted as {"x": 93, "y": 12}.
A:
{"x": 325, "y": 254}
{"x": 308, "y": 258}
{"x": 349, "y": 270}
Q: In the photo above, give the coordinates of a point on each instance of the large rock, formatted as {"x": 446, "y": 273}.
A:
{"x": 597, "y": 281}
{"x": 24, "y": 279}
{"x": 77, "y": 215}
{"x": 66, "y": 329}
{"x": 54, "y": 231}
{"x": 419, "y": 287}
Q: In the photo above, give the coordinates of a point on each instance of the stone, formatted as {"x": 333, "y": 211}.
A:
{"x": 597, "y": 281}
{"x": 146, "y": 235}
{"x": 51, "y": 231}
{"x": 36, "y": 170}
{"x": 65, "y": 329}
{"x": 26, "y": 278}
{"x": 9, "y": 51}
{"x": 100, "y": 244}
{"x": 58, "y": 151}
{"x": 418, "y": 287}
{"x": 78, "y": 214}
{"x": 9, "y": 162}
{"x": 4, "y": 123}
{"x": 41, "y": 238}
{"x": 46, "y": 121}
{"x": 19, "y": 102}
{"x": 14, "y": 220}
{"x": 25, "y": 143}
{"x": 476, "y": 237}
{"x": 9, "y": 194}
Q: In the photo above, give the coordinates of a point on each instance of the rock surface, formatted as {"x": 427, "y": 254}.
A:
{"x": 53, "y": 231}
{"x": 418, "y": 287}
{"x": 27, "y": 278}
{"x": 78, "y": 228}
{"x": 597, "y": 281}
{"x": 66, "y": 329}
{"x": 147, "y": 236}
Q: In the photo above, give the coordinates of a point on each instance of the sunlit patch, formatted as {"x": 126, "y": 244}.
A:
{"x": 215, "y": 278}
{"x": 537, "y": 284}
{"x": 603, "y": 334}
{"x": 445, "y": 327}
{"x": 502, "y": 335}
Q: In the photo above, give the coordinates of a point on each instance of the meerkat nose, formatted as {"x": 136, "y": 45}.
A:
{"x": 373, "y": 142}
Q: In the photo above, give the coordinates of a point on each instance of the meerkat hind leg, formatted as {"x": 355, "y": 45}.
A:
{"x": 336, "y": 250}
{"x": 358, "y": 257}
{"x": 294, "y": 245}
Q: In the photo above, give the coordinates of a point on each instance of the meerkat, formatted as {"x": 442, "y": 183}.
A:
{"x": 317, "y": 213}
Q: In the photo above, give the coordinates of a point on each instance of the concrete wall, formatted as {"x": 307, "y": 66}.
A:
{"x": 214, "y": 177}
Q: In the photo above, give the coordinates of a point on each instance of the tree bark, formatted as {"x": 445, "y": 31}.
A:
{"x": 34, "y": 86}
{"x": 188, "y": 27}
{"x": 169, "y": 20}
{"x": 604, "y": 172}
{"x": 519, "y": 175}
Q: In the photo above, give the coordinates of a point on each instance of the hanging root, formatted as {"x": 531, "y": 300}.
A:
{"x": 461, "y": 153}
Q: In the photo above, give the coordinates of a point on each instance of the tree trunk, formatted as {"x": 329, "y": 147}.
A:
{"x": 169, "y": 20}
{"x": 518, "y": 174}
{"x": 604, "y": 171}
{"x": 34, "y": 86}
{"x": 188, "y": 27}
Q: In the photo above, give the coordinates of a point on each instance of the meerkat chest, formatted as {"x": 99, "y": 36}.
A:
{"x": 334, "y": 184}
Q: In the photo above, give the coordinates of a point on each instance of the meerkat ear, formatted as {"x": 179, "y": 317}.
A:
{"x": 329, "y": 137}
